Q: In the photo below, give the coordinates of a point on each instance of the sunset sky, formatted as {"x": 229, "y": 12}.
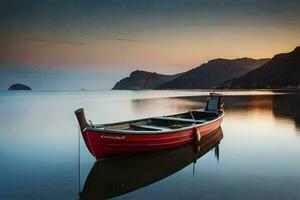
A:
{"x": 110, "y": 38}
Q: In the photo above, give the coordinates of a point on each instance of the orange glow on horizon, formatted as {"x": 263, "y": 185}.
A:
{"x": 160, "y": 51}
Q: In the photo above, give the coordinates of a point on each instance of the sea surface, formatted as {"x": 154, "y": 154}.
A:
{"x": 258, "y": 157}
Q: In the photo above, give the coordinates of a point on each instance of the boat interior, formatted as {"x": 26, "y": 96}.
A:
{"x": 165, "y": 123}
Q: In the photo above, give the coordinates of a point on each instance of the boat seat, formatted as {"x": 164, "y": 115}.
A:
{"x": 180, "y": 119}
{"x": 150, "y": 127}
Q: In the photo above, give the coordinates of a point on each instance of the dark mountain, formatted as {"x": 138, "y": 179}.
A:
{"x": 139, "y": 80}
{"x": 213, "y": 73}
{"x": 19, "y": 86}
{"x": 282, "y": 71}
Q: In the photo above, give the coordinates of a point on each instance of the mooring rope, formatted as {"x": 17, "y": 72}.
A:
{"x": 197, "y": 138}
{"x": 194, "y": 169}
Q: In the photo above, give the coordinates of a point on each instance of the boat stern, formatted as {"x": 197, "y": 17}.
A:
{"x": 81, "y": 119}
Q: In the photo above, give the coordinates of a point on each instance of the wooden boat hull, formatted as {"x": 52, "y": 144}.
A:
{"x": 117, "y": 176}
{"x": 102, "y": 143}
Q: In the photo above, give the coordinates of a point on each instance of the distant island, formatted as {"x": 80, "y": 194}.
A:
{"x": 18, "y": 86}
{"x": 282, "y": 71}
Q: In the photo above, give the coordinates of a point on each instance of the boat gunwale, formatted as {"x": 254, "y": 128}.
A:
{"x": 153, "y": 132}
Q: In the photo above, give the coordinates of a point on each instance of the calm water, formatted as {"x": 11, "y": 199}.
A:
{"x": 258, "y": 156}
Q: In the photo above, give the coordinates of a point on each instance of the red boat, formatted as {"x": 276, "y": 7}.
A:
{"x": 105, "y": 140}
{"x": 113, "y": 177}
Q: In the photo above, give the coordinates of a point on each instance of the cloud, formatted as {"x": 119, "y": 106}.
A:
{"x": 64, "y": 42}
{"x": 121, "y": 39}
{"x": 74, "y": 43}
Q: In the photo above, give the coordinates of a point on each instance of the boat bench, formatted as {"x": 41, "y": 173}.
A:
{"x": 180, "y": 119}
{"x": 155, "y": 128}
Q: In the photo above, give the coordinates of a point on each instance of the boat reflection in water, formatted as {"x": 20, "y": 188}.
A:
{"x": 116, "y": 176}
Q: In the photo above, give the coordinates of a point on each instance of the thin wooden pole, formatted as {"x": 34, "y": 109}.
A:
{"x": 78, "y": 161}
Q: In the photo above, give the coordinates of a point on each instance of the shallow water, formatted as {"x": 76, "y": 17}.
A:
{"x": 258, "y": 156}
